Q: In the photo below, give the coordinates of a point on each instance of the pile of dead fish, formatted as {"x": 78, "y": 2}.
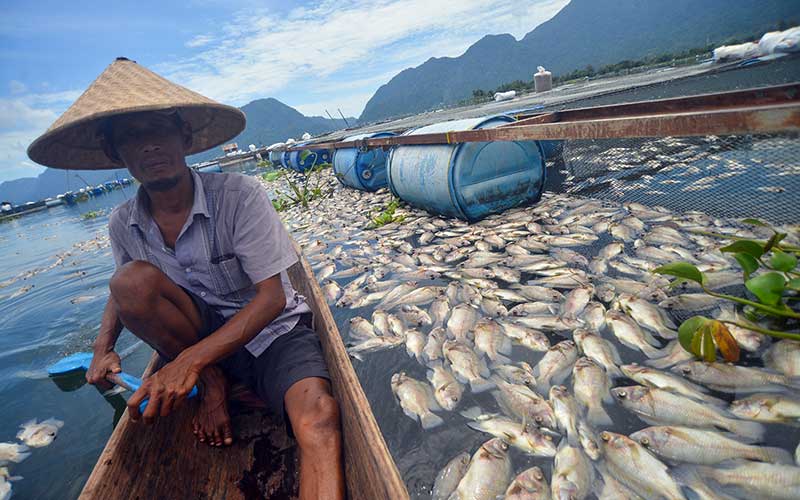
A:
{"x": 568, "y": 280}
{"x": 32, "y": 434}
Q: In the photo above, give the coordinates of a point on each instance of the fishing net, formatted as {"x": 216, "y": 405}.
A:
{"x": 731, "y": 176}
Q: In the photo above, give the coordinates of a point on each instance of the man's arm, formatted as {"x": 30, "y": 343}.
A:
{"x": 105, "y": 360}
{"x": 173, "y": 382}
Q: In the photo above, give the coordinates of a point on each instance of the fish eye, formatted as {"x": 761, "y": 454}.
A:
{"x": 538, "y": 419}
{"x": 622, "y": 394}
{"x": 685, "y": 369}
{"x": 548, "y": 438}
{"x": 645, "y": 441}
{"x": 605, "y": 436}
{"x": 454, "y": 399}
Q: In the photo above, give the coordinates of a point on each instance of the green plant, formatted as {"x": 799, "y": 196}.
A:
{"x": 271, "y": 176}
{"x": 280, "y": 204}
{"x": 387, "y": 216}
{"x": 773, "y": 291}
{"x": 303, "y": 189}
{"x": 92, "y": 214}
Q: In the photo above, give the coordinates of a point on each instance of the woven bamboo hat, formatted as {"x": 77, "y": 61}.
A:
{"x": 73, "y": 141}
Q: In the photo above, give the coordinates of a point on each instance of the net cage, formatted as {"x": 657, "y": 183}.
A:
{"x": 735, "y": 176}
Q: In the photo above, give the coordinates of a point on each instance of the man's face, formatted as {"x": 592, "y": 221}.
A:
{"x": 152, "y": 147}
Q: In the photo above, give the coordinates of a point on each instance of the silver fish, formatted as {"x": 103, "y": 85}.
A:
{"x": 598, "y": 349}
{"x": 37, "y": 435}
{"x": 467, "y": 365}
{"x": 373, "y": 345}
{"x": 732, "y": 378}
{"x": 416, "y": 400}
{"x": 555, "y": 365}
{"x": 538, "y": 293}
{"x": 488, "y": 474}
{"x": 434, "y": 343}
{"x": 757, "y": 480}
{"x": 664, "y": 380}
{"x": 448, "y": 478}
{"x": 565, "y": 408}
{"x": 520, "y": 400}
{"x": 415, "y": 343}
{"x": 490, "y": 340}
{"x": 637, "y": 468}
{"x": 594, "y": 316}
{"x": 657, "y": 406}
{"x": 440, "y": 310}
{"x": 784, "y": 356}
{"x": 529, "y": 484}
{"x": 414, "y": 316}
{"x": 521, "y": 436}
{"x": 630, "y": 335}
{"x": 361, "y": 329}
{"x": 773, "y": 408}
{"x": 573, "y": 474}
{"x": 690, "y": 302}
{"x": 576, "y": 301}
{"x": 704, "y": 447}
{"x": 591, "y": 386}
{"x": 534, "y": 309}
{"x": 518, "y": 373}
{"x": 462, "y": 320}
{"x": 648, "y": 316}
{"x": 446, "y": 388}
{"x": 527, "y": 337}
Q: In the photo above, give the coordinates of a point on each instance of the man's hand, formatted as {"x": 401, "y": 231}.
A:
{"x": 165, "y": 389}
{"x": 102, "y": 365}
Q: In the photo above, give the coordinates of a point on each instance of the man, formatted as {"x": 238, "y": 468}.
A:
{"x": 201, "y": 261}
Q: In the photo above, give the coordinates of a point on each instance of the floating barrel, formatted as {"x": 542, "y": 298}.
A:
{"x": 306, "y": 159}
{"x": 275, "y": 157}
{"x": 364, "y": 170}
{"x": 285, "y": 159}
{"x": 469, "y": 180}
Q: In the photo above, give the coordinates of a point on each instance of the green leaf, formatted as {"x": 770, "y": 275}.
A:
{"x": 682, "y": 270}
{"x": 687, "y": 330}
{"x": 773, "y": 241}
{"x": 768, "y": 287}
{"x": 756, "y": 222}
{"x": 748, "y": 262}
{"x": 750, "y": 247}
{"x": 794, "y": 284}
{"x": 709, "y": 350}
{"x": 783, "y": 261}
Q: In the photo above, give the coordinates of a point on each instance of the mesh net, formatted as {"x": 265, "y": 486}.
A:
{"x": 731, "y": 176}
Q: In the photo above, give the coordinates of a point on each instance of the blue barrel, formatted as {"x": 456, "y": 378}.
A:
{"x": 285, "y": 159}
{"x": 469, "y": 180}
{"x": 363, "y": 170}
{"x": 275, "y": 157}
{"x": 307, "y": 159}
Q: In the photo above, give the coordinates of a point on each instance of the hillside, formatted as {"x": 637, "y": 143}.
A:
{"x": 268, "y": 121}
{"x": 584, "y": 32}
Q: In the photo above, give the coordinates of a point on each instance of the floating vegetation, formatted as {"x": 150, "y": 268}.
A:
{"x": 92, "y": 214}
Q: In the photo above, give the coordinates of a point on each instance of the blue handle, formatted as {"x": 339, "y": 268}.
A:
{"x": 143, "y": 404}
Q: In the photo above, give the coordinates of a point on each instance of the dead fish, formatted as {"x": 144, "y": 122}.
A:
{"x": 591, "y": 386}
{"x": 526, "y": 438}
{"x": 527, "y": 337}
{"x": 518, "y": 373}
{"x": 630, "y": 335}
{"x": 756, "y": 479}
{"x": 416, "y": 400}
{"x": 772, "y": 408}
{"x": 448, "y": 478}
{"x": 664, "y": 380}
{"x": 37, "y": 435}
{"x": 467, "y": 365}
{"x": 599, "y": 350}
{"x": 529, "y": 484}
{"x": 490, "y": 340}
{"x": 446, "y": 389}
{"x": 732, "y": 378}
{"x": 573, "y": 473}
{"x": 555, "y": 365}
{"x": 462, "y": 320}
{"x": 648, "y": 316}
{"x": 488, "y": 474}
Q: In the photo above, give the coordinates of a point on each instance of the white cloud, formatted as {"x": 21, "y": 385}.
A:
{"x": 330, "y": 44}
{"x": 22, "y": 119}
{"x": 199, "y": 41}
{"x": 16, "y": 87}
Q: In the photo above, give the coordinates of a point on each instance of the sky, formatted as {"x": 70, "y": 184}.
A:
{"x": 313, "y": 55}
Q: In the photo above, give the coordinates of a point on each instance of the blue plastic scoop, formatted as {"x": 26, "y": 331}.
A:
{"x": 82, "y": 361}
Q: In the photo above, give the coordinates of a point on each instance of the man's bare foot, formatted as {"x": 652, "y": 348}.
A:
{"x": 211, "y": 423}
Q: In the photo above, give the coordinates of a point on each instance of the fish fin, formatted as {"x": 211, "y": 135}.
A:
{"x": 498, "y": 397}
{"x": 410, "y": 414}
{"x": 484, "y": 368}
{"x": 430, "y": 420}
{"x": 614, "y": 353}
{"x": 355, "y": 355}
{"x": 614, "y": 373}
{"x": 649, "y": 420}
{"x": 598, "y": 416}
{"x": 750, "y": 430}
{"x": 480, "y": 385}
{"x": 662, "y": 363}
{"x": 20, "y": 456}
{"x": 652, "y": 352}
{"x": 475, "y": 426}
{"x": 460, "y": 378}
{"x": 472, "y": 412}
{"x": 505, "y": 346}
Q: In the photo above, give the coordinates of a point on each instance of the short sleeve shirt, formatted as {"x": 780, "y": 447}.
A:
{"x": 232, "y": 239}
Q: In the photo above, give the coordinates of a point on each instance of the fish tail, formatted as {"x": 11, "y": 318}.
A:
{"x": 430, "y": 420}
{"x": 598, "y": 416}
{"x": 472, "y": 413}
{"x": 774, "y": 455}
{"x": 751, "y": 430}
{"x": 480, "y": 385}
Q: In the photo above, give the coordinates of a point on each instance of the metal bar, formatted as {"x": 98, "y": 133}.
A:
{"x": 762, "y": 119}
{"x": 764, "y": 96}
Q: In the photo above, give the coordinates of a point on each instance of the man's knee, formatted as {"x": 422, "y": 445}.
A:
{"x": 135, "y": 286}
{"x": 319, "y": 424}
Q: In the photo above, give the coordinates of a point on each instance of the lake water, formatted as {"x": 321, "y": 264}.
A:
{"x": 40, "y": 326}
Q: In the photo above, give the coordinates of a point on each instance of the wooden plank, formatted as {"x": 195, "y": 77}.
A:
{"x": 370, "y": 471}
{"x": 165, "y": 460}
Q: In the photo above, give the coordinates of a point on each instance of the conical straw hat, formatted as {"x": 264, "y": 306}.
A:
{"x": 73, "y": 141}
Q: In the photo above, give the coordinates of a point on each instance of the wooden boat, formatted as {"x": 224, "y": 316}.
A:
{"x": 165, "y": 461}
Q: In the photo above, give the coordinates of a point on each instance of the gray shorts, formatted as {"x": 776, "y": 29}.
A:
{"x": 290, "y": 358}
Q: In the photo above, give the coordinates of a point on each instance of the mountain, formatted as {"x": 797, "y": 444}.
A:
{"x": 584, "y": 32}
{"x": 268, "y": 121}
{"x": 52, "y": 182}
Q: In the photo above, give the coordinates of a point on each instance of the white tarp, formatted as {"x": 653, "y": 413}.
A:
{"x": 505, "y": 96}
{"x": 736, "y": 52}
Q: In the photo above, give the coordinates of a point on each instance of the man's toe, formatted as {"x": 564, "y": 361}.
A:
{"x": 227, "y": 434}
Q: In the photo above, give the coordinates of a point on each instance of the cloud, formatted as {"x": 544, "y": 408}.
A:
{"x": 22, "y": 119}
{"x": 329, "y": 44}
{"x": 16, "y": 87}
